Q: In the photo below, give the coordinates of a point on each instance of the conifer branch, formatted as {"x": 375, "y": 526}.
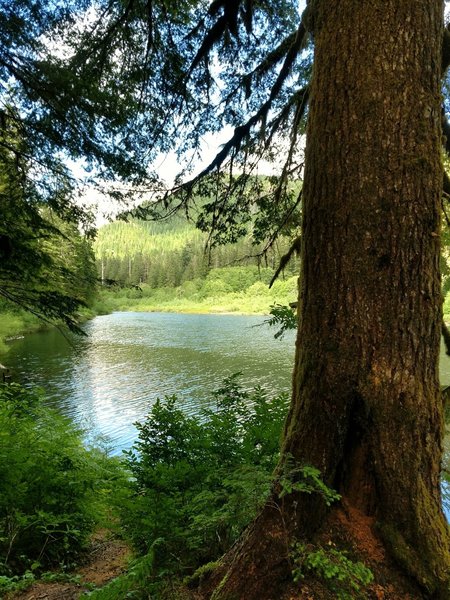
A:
{"x": 295, "y": 247}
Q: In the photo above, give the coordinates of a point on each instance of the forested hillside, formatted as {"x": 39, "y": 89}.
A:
{"x": 168, "y": 253}
{"x": 167, "y": 266}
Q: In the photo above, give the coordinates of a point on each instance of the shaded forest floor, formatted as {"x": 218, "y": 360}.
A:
{"x": 106, "y": 558}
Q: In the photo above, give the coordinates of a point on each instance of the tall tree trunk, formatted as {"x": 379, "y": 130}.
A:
{"x": 366, "y": 407}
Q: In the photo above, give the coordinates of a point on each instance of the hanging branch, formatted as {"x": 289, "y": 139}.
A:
{"x": 243, "y": 131}
{"x": 227, "y": 21}
{"x": 295, "y": 247}
{"x": 262, "y": 68}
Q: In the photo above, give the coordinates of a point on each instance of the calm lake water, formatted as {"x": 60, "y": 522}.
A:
{"x": 109, "y": 379}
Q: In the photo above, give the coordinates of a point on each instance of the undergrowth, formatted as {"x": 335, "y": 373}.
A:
{"x": 197, "y": 481}
{"x": 184, "y": 493}
{"x": 135, "y": 584}
{"x": 53, "y": 491}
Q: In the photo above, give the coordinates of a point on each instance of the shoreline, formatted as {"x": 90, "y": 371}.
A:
{"x": 187, "y": 311}
{"x": 17, "y": 332}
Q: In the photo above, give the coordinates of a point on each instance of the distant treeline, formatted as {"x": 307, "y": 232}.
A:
{"x": 167, "y": 254}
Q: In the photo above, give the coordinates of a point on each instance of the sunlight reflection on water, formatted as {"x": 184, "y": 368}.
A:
{"x": 109, "y": 379}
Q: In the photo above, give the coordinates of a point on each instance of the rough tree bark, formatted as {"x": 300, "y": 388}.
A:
{"x": 366, "y": 407}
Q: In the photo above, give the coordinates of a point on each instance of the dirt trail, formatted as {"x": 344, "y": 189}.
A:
{"x": 107, "y": 558}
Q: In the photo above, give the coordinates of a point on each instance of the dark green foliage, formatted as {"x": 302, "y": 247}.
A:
{"x": 345, "y": 578}
{"x": 47, "y": 114}
{"x": 198, "y": 481}
{"x": 46, "y": 265}
{"x": 52, "y": 488}
{"x": 283, "y": 317}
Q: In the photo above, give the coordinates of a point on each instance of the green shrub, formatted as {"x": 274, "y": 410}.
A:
{"x": 287, "y": 288}
{"x": 198, "y": 481}
{"x": 257, "y": 289}
{"x": 214, "y": 288}
{"x": 238, "y": 279}
{"x": 52, "y": 489}
{"x": 346, "y": 578}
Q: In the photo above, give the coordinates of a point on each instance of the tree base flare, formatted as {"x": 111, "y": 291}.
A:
{"x": 262, "y": 565}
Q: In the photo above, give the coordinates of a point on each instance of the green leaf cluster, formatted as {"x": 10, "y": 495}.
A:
{"x": 46, "y": 265}
{"x": 305, "y": 479}
{"x": 283, "y": 317}
{"x": 347, "y": 579}
{"x": 53, "y": 488}
{"x": 198, "y": 480}
{"x": 16, "y": 583}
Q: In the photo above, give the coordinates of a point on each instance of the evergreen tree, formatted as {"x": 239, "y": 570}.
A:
{"x": 46, "y": 265}
{"x": 366, "y": 408}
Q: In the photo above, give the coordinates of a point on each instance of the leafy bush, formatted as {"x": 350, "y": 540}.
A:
{"x": 238, "y": 279}
{"x": 198, "y": 481}
{"x": 283, "y": 317}
{"x": 52, "y": 488}
{"x": 347, "y": 579}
